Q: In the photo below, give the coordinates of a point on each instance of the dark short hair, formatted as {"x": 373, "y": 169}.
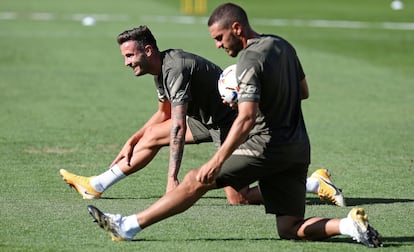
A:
{"x": 141, "y": 35}
{"x": 228, "y": 13}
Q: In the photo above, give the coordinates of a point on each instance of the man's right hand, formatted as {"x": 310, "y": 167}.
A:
{"x": 125, "y": 153}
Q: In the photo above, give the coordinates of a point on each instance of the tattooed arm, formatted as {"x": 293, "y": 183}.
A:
{"x": 177, "y": 141}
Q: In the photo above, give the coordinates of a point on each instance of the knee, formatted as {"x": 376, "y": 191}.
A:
{"x": 288, "y": 227}
{"x": 190, "y": 180}
{"x": 192, "y": 185}
{"x": 190, "y": 177}
{"x": 287, "y": 233}
{"x": 151, "y": 139}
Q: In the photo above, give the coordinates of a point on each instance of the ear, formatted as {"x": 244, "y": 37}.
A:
{"x": 237, "y": 29}
{"x": 148, "y": 50}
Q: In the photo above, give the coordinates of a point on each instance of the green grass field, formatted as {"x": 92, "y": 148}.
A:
{"x": 66, "y": 101}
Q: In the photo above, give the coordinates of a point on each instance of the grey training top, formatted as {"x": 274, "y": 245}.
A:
{"x": 189, "y": 78}
{"x": 269, "y": 73}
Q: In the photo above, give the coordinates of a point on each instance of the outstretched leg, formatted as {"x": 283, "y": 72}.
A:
{"x": 177, "y": 201}
{"x": 172, "y": 203}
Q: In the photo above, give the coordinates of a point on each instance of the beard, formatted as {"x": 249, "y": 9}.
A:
{"x": 235, "y": 47}
{"x": 140, "y": 68}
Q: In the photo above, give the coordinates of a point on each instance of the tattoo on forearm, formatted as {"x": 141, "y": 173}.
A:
{"x": 177, "y": 138}
{"x": 176, "y": 148}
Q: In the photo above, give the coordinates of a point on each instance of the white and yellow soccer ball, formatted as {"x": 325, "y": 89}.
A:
{"x": 227, "y": 84}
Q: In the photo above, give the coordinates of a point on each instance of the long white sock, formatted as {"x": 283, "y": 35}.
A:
{"x": 101, "y": 182}
{"x": 346, "y": 227}
{"x": 312, "y": 185}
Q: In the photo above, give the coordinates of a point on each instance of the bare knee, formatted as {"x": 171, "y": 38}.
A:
{"x": 153, "y": 138}
{"x": 192, "y": 185}
{"x": 190, "y": 177}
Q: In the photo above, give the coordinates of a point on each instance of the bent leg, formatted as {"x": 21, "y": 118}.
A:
{"x": 144, "y": 151}
{"x": 154, "y": 138}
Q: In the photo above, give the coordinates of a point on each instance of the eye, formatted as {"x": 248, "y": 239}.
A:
{"x": 219, "y": 38}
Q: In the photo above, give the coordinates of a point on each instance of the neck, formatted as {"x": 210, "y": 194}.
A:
{"x": 156, "y": 64}
{"x": 250, "y": 34}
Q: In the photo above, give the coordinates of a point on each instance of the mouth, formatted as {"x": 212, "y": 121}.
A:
{"x": 228, "y": 51}
{"x": 135, "y": 69}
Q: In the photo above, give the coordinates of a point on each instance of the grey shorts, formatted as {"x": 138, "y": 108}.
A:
{"x": 283, "y": 186}
{"x": 203, "y": 133}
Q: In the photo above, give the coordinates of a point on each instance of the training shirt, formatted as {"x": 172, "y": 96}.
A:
{"x": 189, "y": 78}
{"x": 269, "y": 72}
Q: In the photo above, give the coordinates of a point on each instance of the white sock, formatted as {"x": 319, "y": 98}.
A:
{"x": 346, "y": 227}
{"x": 101, "y": 182}
{"x": 130, "y": 226}
{"x": 312, "y": 185}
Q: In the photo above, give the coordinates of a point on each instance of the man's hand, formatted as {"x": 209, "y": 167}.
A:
{"x": 208, "y": 173}
{"x": 231, "y": 105}
{"x": 125, "y": 153}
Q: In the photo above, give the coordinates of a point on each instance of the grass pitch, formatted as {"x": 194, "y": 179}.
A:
{"x": 66, "y": 101}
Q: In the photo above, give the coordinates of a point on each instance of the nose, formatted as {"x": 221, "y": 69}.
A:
{"x": 127, "y": 62}
{"x": 219, "y": 44}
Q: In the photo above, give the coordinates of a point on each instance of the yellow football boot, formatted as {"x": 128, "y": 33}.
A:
{"x": 80, "y": 184}
{"x": 327, "y": 190}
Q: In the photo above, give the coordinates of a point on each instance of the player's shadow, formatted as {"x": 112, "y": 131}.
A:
{"x": 309, "y": 200}
{"x": 359, "y": 201}
{"x": 156, "y": 197}
{"x": 150, "y": 197}
{"x": 388, "y": 242}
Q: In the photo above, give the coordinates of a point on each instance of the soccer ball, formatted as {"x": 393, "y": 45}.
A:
{"x": 227, "y": 84}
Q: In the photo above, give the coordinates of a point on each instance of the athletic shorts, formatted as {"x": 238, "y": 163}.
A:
{"x": 203, "y": 133}
{"x": 283, "y": 186}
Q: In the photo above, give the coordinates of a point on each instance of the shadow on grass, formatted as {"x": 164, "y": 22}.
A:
{"x": 209, "y": 239}
{"x": 359, "y": 201}
{"x": 387, "y": 241}
{"x": 309, "y": 201}
{"x": 153, "y": 197}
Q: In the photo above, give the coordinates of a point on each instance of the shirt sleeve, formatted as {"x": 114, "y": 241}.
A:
{"x": 248, "y": 77}
{"x": 177, "y": 83}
